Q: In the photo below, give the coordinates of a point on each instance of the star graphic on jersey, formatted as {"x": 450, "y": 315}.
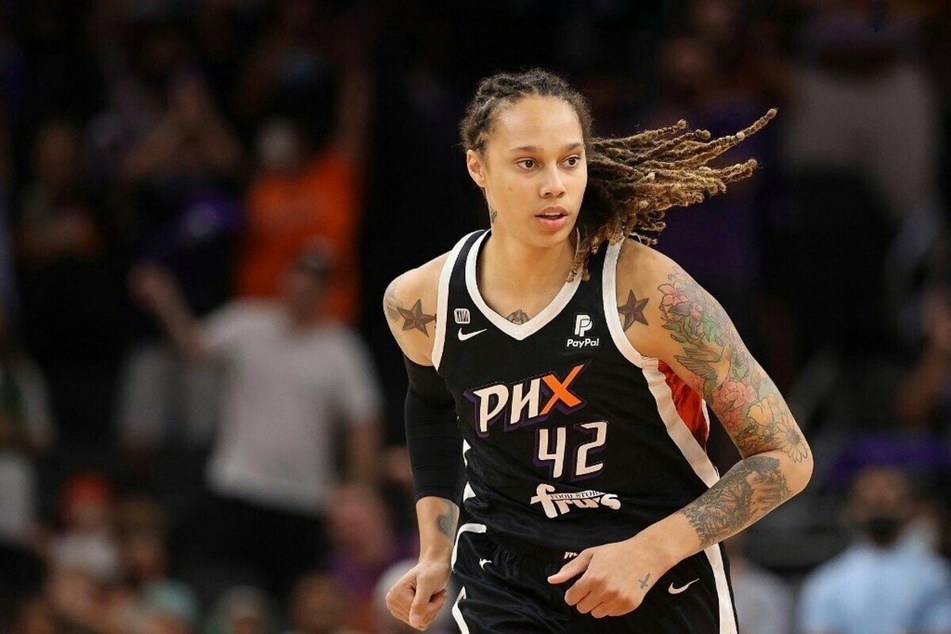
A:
{"x": 633, "y": 310}
{"x": 415, "y": 318}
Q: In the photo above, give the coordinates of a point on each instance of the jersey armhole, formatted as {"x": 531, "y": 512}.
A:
{"x": 442, "y": 301}
{"x": 609, "y": 293}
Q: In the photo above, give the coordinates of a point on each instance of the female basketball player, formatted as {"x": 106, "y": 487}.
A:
{"x": 577, "y": 364}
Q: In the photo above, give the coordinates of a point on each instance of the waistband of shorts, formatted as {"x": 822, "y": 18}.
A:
{"x": 532, "y": 550}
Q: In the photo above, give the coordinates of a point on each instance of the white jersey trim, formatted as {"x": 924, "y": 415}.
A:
{"x": 457, "y": 613}
{"x": 676, "y": 427}
{"x": 518, "y": 332}
{"x": 442, "y": 301}
{"x": 724, "y": 599}
{"x": 609, "y": 292}
{"x": 471, "y": 527}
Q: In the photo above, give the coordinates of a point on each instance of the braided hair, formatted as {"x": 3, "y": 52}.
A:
{"x": 632, "y": 180}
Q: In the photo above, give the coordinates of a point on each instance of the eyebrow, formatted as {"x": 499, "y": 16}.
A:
{"x": 534, "y": 148}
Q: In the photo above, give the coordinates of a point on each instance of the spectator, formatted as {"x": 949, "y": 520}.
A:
{"x": 764, "y": 601}
{"x": 364, "y": 544}
{"x": 241, "y": 610}
{"x": 83, "y": 556}
{"x": 26, "y": 432}
{"x": 923, "y": 395}
{"x": 884, "y": 582}
{"x": 35, "y": 615}
{"x": 185, "y": 168}
{"x": 864, "y": 104}
{"x": 109, "y": 571}
{"x": 166, "y": 607}
{"x": 86, "y": 541}
{"x": 64, "y": 263}
{"x": 318, "y": 605}
{"x": 308, "y": 184}
{"x": 293, "y": 379}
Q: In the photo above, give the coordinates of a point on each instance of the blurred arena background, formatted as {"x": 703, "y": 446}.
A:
{"x": 193, "y": 155}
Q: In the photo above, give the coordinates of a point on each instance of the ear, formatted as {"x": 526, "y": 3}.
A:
{"x": 476, "y": 165}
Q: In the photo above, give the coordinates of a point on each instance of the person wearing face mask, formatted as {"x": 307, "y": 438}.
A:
{"x": 885, "y": 582}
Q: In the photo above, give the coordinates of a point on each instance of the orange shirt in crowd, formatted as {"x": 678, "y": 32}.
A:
{"x": 287, "y": 212}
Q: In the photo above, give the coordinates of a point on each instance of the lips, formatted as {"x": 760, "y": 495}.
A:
{"x": 552, "y": 213}
{"x": 552, "y": 219}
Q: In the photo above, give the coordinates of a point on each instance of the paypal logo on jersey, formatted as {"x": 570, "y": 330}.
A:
{"x": 583, "y": 323}
{"x": 523, "y": 402}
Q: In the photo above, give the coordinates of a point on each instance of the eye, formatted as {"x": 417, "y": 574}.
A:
{"x": 573, "y": 161}
{"x": 527, "y": 163}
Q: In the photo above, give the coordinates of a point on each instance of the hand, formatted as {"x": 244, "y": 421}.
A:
{"x": 419, "y": 595}
{"x": 614, "y": 577}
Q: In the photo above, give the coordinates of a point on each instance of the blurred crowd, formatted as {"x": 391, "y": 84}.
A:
{"x": 202, "y": 201}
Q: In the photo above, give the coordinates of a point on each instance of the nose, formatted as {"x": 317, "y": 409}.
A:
{"x": 553, "y": 185}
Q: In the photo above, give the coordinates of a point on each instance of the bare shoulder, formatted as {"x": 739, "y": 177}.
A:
{"x": 410, "y": 307}
{"x": 639, "y": 264}
{"x": 647, "y": 285}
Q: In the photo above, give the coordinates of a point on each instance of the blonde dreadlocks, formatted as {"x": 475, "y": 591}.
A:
{"x": 632, "y": 181}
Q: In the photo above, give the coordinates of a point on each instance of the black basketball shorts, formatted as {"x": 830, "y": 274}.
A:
{"x": 506, "y": 591}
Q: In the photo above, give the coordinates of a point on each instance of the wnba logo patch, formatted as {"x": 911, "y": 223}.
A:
{"x": 461, "y": 315}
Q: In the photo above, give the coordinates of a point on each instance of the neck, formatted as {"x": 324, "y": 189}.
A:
{"x": 537, "y": 267}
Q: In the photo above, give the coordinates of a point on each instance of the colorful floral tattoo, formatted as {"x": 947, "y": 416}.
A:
{"x": 746, "y": 401}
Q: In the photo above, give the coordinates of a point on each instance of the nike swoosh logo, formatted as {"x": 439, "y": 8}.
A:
{"x": 469, "y": 335}
{"x": 483, "y": 562}
{"x": 675, "y": 590}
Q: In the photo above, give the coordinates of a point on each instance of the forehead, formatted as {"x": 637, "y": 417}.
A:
{"x": 536, "y": 121}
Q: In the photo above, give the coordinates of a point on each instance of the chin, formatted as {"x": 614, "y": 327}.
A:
{"x": 554, "y": 238}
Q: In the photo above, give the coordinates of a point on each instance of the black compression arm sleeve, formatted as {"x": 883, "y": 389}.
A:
{"x": 432, "y": 435}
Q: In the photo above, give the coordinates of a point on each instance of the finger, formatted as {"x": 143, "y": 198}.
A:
{"x": 571, "y": 569}
{"x": 425, "y": 604}
{"x": 578, "y": 591}
{"x": 398, "y": 601}
{"x": 623, "y": 608}
{"x": 603, "y": 610}
{"x": 589, "y": 602}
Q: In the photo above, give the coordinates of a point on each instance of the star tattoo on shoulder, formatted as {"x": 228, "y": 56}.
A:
{"x": 415, "y": 318}
{"x": 633, "y": 310}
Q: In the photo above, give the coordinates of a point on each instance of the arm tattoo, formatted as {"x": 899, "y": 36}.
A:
{"x": 446, "y": 522}
{"x": 518, "y": 317}
{"x": 413, "y": 318}
{"x": 493, "y": 214}
{"x": 645, "y": 580}
{"x": 753, "y": 487}
{"x": 633, "y": 310}
{"x": 744, "y": 398}
{"x": 392, "y": 305}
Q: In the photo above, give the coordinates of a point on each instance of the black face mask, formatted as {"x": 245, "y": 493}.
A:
{"x": 883, "y": 530}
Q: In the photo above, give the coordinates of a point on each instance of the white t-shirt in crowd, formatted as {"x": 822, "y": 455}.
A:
{"x": 18, "y": 485}
{"x": 288, "y": 394}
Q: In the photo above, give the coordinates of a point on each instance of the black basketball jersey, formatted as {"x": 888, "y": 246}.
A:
{"x": 572, "y": 438}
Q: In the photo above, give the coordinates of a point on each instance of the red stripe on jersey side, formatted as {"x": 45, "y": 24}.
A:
{"x": 689, "y": 404}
